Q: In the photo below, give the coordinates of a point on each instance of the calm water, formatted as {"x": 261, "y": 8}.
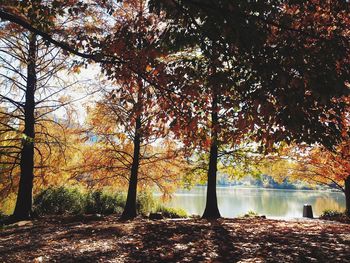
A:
{"x": 270, "y": 202}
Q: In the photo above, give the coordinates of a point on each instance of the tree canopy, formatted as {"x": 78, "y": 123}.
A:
{"x": 179, "y": 79}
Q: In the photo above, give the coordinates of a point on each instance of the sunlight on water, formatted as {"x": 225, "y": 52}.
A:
{"x": 235, "y": 202}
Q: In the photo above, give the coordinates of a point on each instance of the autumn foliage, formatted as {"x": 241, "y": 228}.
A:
{"x": 232, "y": 81}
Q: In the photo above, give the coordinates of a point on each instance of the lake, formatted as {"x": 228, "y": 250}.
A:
{"x": 234, "y": 201}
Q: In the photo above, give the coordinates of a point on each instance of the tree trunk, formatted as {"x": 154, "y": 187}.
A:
{"x": 25, "y": 192}
{"x": 130, "y": 206}
{"x": 211, "y": 208}
{"x": 347, "y": 195}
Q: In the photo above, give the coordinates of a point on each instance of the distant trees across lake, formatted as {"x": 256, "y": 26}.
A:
{"x": 266, "y": 181}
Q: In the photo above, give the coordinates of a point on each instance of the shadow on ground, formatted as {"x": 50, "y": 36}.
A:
{"x": 225, "y": 240}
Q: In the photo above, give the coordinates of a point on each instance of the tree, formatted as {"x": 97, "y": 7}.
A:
{"x": 274, "y": 91}
{"x": 205, "y": 108}
{"x": 134, "y": 101}
{"x": 208, "y": 95}
{"x": 128, "y": 22}
{"x": 31, "y": 93}
{"x": 291, "y": 64}
{"x": 327, "y": 167}
{"x": 283, "y": 57}
{"x": 112, "y": 155}
{"x": 317, "y": 164}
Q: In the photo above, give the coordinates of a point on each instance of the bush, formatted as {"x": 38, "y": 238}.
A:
{"x": 145, "y": 202}
{"x": 251, "y": 213}
{"x": 98, "y": 202}
{"x": 3, "y": 216}
{"x": 329, "y": 213}
{"x": 59, "y": 201}
{"x": 335, "y": 215}
{"x": 171, "y": 212}
{"x": 71, "y": 201}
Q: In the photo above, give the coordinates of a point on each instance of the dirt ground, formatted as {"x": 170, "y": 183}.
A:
{"x": 193, "y": 240}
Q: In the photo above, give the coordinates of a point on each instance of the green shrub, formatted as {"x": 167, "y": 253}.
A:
{"x": 98, "y": 202}
{"x": 2, "y": 216}
{"x": 71, "y": 201}
{"x": 170, "y": 212}
{"x": 251, "y": 213}
{"x": 335, "y": 215}
{"x": 145, "y": 202}
{"x": 59, "y": 201}
{"x": 329, "y": 213}
{"x": 119, "y": 210}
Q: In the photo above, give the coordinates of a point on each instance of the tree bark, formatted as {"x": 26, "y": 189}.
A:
{"x": 25, "y": 191}
{"x": 211, "y": 208}
{"x": 347, "y": 196}
{"x": 130, "y": 211}
{"x": 130, "y": 206}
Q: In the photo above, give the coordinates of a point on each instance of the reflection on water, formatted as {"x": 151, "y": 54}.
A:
{"x": 270, "y": 202}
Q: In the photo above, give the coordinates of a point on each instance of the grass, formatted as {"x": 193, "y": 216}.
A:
{"x": 170, "y": 212}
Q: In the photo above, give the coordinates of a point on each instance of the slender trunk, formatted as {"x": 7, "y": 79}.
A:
{"x": 24, "y": 198}
{"x": 211, "y": 208}
{"x": 130, "y": 210}
{"x": 347, "y": 195}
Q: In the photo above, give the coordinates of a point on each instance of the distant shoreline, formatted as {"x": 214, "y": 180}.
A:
{"x": 330, "y": 190}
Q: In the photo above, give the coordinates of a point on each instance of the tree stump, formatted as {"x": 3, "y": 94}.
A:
{"x": 307, "y": 211}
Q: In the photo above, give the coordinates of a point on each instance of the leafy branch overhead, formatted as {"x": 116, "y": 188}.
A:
{"x": 178, "y": 93}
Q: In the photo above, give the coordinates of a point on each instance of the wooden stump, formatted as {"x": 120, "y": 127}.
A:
{"x": 307, "y": 211}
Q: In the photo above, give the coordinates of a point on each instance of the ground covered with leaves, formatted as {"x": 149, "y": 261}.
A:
{"x": 93, "y": 239}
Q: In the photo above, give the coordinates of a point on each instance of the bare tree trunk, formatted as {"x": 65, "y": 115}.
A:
{"x": 25, "y": 192}
{"x": 130, "y": 211}
{"x": 347, "y": 195}
{"x": 211, "y": 208}
{"x": 130, "y": 206}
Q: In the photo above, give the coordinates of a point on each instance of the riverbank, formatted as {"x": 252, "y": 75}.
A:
{"x": 234, "y": 201}
{"x": 93, "y": 239}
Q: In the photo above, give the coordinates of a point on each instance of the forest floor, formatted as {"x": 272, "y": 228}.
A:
{"x": 92, "y": 239}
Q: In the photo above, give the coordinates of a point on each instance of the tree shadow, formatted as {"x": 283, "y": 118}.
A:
{"x": 199, "y": 241}
{"x": 276, "y": 241}
{"x": 53, "y": 239}
{"x": 224, "y": 240}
